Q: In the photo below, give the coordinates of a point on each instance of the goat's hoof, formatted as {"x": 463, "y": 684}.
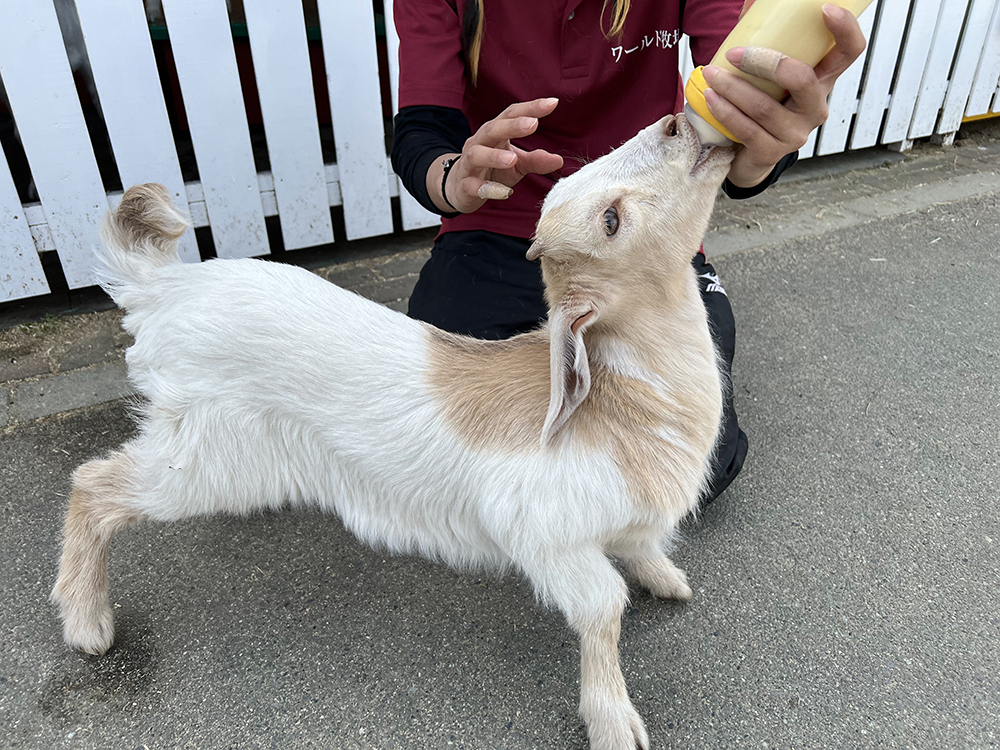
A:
{"x": 90, "y": 637}
{"x": 617, "y": 730}
{"x": 673, "y": 585}
{"x": 680, "y": 593}
{"x": 639, "y": 731}
{"x": 91, "y": 630}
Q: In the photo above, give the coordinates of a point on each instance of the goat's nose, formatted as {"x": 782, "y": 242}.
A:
{"x": 683, "y": 127}
{"x": 670, "y": 127}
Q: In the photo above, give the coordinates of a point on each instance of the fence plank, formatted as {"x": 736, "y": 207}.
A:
{"x": 284, "y": 82}
{"x": 988, "y": 73}
{"x": 920, "y": 34}
{"x": 46, "y": 109}
{"x": 21, "y": 273}
{"x": 970, "y": 49}
{"x": 414, "y": 215}
{"x": 809, "y": 149}
{"x": 348, "y": 31}
{"x": 685, "y": 61}
{"x": 843, "y": 100}
{"x": 935, "y": 84}
{"x": 885, "y": 44}
{"x": 116, "y": 30}
{"x": 202, "y": 45}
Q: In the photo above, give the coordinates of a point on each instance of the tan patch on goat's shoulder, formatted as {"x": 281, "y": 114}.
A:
{"x": 631, "y": 420}
{"x": 494, "y": 394}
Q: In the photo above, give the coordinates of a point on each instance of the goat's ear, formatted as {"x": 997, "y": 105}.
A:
{"x": 570, "y": 370}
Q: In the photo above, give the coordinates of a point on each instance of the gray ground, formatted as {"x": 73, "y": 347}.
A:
{"x": 846, "y": 587}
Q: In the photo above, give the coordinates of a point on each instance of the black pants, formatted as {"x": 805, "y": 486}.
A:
{"x": 480, "y": 284}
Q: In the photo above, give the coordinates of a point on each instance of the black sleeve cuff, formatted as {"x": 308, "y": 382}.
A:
{"x": 419, "y": 187}
{"x": 740, "y": 193}
{"x": 420, "y": 135}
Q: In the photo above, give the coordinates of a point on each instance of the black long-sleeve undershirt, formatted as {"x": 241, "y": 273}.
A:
{"x": 421, "y": 135}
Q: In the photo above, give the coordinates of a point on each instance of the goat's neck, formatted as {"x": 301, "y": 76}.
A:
{"x": 663, "y": 332}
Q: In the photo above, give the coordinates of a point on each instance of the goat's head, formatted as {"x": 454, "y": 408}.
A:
{"x": 620, "y": 231}
{"x": 638, "y": 213}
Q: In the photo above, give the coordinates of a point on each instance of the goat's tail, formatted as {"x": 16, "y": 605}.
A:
{"x": 140, "y": 236}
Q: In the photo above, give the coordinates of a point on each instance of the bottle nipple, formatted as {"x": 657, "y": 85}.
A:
{"x": 707, "y": 135}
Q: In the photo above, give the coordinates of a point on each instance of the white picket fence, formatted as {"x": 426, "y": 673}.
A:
{"x": 929, "y": 63}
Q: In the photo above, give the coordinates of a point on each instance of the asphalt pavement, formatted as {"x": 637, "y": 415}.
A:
{"x": 847, "y": 592}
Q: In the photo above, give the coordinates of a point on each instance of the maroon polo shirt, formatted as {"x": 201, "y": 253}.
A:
{"x": 608, "y": 89}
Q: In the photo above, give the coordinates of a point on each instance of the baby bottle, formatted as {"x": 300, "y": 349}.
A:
{"x": 792, "y": 27}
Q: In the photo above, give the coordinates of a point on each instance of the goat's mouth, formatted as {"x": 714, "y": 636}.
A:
{"x": 710, "y": 161}
{"x": 704, "y": 154}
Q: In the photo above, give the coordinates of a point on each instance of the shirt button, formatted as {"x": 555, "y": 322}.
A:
{"x": 573, "y": 13}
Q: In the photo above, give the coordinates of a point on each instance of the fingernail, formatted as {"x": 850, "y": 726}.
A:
{"x": 735, "y": 55}
{"x": 507, "y": 159}
{"x": 710, "y": 72}
{"x": 551, "y": 101}
{"x": 831, "y": 10}
{"x": 711, "y": 97}
{"x": 528, "y": 122}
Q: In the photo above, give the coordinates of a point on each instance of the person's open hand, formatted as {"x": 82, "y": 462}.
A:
{"x": 771, "y": 129}
{"x": 491, "y": 165}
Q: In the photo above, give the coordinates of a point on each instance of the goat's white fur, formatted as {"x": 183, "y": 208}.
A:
{"x": 266, "y": 385}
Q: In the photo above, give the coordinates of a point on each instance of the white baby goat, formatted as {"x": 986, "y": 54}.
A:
{"x": 550, "y": 452}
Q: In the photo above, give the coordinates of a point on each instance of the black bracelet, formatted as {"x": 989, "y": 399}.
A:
{"x": 448, "y": 164}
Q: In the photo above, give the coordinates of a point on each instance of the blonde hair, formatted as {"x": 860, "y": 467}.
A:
{"x": 472, "y": 36}
{"x": 619, "y": 9}
{"x": 472, "y": 29}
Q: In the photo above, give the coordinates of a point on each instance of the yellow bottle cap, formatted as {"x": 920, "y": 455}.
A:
{"x": 694, "y": 92}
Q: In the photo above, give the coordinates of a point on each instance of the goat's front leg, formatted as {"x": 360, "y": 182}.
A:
{"x": 586, "y": 587}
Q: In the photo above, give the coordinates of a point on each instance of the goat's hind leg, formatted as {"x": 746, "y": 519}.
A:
{"x": 645, "y": 561}
{"x": 100, "y": 505}
{"x": 660, "y": 576}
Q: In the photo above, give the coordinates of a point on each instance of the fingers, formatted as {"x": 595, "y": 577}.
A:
{"x": 490, "y": 147}
{"x": 502, "y": 129}
{"x": 751, "y": 116}
{"x": 495, "y": 184}
{"x": 473, "y": 188}
{"x": 794, "y": 76}
{"x": 538, "y": 161}
{"x": 849, "y": 42}
{"x": 806, "y": 85}
{"x": 760, "y": 61}
{"x": 517, "y": 121}
{"x": 534, "y": 108}
{"x": 479, "y": 160}
{"x": 484, "y": 157}
{"x": 491, "y": 165}
{"x": 767, "y": 128}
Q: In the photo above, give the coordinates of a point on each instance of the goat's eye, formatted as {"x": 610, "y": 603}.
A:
{"x": 610, "y": 221}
